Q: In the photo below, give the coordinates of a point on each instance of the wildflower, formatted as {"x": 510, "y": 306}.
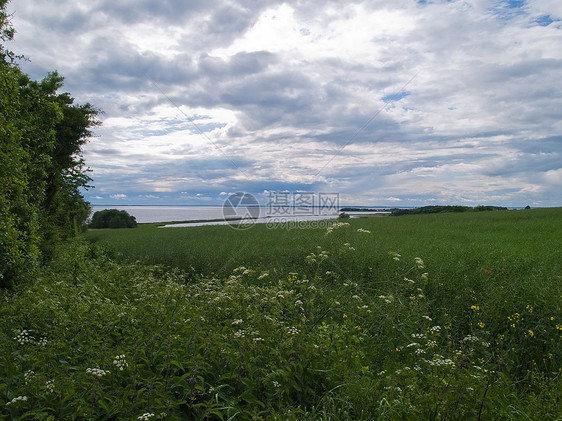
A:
{"x": 263, "y": 275}
{"x": 419, "y": 262}
{"x": 475, "y": 308}
{"x": 424, "y": 276}
{"x": 24, "y": 337}
{"x": 531, "y": 333}
{"x": 356, "y": 297}
{"x": 97, "y": 372}
{"x": 409, "y": 280}
{"x": 28, "y": 376}
{"x": 311, "y": 258}
{"x": 256, "y": 340}
{"x": 427, "y": 318}
{"x": 293, "y": 331}
{"x": 50, "y": 386}
{"x": 481, "y": 324}
{"x": 364, "y": 231}
{"x": 276, "y": 384}
{"x": 344, "y": 316}
{"x": 394, "y": 255}
{"x": 121, "y": 362}
{"x": 335, "y": 226}
{"x": 17, "y": 399}
{"x": 145, "y": 416}
{"x": 237, "y": 322}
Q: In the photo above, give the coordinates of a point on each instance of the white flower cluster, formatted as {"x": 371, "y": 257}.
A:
{"x": 24, "y": 337}
{"x": 316, "y": 258}
{"x": 263, "y": 275}
{"x": 121, "y": 362}
{"x": 419, "y": 262}
{"x": 242, "y": 269}
{"x": 293, "y": 331}
{"x": 387, "y": 300}
{"x": 50, "y": 386}
{"x": 28, "y": 376}
{"x": 439, "y": 361}
{"x": 418, "y": 336}
{"x": 97, "y": 372}
{"x": 145, "y": 416}
{"x": 16, "y": 400}
{"x": 349, "y": 246}
{"x": 363, "y": 230}
{"x": 237, "y": 322}
{"x": 336, "y": 226}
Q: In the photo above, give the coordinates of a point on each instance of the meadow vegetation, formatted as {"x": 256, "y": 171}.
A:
{"x": 448, "y": 316}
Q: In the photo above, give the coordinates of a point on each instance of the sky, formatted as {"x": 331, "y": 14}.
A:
{"x": 387, "y": 103}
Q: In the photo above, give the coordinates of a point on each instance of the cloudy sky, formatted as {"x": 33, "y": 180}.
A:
{"x": 390, "y": 103}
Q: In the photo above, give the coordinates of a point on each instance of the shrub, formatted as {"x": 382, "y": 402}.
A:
{"x": 113, "y": 218}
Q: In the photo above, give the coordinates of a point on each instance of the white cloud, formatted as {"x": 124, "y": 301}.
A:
{"x": 216, "y": 97}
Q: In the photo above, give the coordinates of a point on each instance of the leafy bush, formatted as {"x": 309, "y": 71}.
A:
{"x": 113, "y": 218}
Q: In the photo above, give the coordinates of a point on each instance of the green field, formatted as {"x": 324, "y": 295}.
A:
{"x": 442, "y": 316}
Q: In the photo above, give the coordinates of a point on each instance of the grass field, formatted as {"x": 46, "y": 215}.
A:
{"x": 445, "y": 316}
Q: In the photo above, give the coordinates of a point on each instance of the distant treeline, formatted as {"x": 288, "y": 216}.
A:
{"x": 364, "y": 210}
{"x": 439, "y": 209}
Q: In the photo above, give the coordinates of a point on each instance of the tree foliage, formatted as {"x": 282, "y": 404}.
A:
{"x": 113, "y": 218}
{"x": 41, "y": 167}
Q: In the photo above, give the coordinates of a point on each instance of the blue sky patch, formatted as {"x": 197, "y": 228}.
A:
{"x": 395, "y": 97}
{"x": 544, "y": 20}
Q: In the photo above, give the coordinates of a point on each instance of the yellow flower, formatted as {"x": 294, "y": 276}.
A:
{"x": 481, "y": 324}
{"x": 475, "y": 308}
{"x": 531, "y": 333}
{"x": 344, "y": 316}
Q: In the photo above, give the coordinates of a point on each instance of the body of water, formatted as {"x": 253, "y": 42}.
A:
{"x": 147, "y": 214}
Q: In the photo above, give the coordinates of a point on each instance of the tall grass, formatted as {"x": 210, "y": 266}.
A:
{"x": 454, "y": 316}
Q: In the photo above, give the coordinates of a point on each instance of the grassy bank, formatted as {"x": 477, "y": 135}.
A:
{"x": 449, "y": 316}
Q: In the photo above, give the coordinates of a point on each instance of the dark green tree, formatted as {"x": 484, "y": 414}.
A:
{"x": 113, "y": 218}
{"x": 41, "y": 168}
